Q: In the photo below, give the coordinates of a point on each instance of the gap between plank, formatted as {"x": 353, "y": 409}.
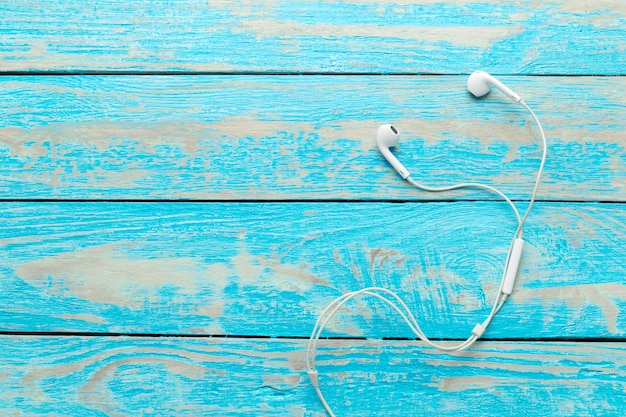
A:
{"x": 296, "y": 200}
{"x": 235, "y": 336}
{"x": 278, "y": 73}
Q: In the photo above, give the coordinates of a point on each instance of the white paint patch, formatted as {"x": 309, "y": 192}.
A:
{"x": 109, "y": 274}
{"x": 478, "y": 37}
{"x": 602, "y": 296}
{"x": 85, "y": 317}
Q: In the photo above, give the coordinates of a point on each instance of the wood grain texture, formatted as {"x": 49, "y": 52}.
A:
{"x": 264, "y": 377}
{"x": 269, "y": 269}
{"x": 520, "y": 37}
{"x": 191, "y": 100}
{"x": 268, "y": 137}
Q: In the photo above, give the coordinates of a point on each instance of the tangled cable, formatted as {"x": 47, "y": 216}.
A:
{"x": 390, "y": 298}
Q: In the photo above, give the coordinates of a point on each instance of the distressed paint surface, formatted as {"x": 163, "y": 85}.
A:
{"x": 98, "y": 376}
{"x": 215, "y": 137}
{"x": 194, "y": 268}
{"x": 520, "y": 37}
{"x": 201, "y": 108}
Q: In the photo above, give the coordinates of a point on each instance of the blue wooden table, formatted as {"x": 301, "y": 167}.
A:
{"x": 185, "y": 185}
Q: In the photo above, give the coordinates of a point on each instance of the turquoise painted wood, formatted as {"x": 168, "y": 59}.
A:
{"x": 269, "y": 269}
{"x": 263, "y": 197}
{"x": 216, "y": 137}
{"x": 357, "y": 36}
{"x": 98, "y": 376}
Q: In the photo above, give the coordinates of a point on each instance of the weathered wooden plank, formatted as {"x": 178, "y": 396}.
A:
{"x": 269, "y": 269}
{"x": 267, "y": 137}
{"x": 315, "y": 36}
{"x": 264, "y": 377}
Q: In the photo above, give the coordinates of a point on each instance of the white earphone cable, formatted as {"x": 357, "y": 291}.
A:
{"x": 544, "y": 154}
{"x": 400, "y": 307}
{"x": 466, "y": 185}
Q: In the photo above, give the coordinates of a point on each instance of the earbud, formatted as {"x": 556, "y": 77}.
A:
{"x": 480, "y": 82}
{"x": 388, "y": 137}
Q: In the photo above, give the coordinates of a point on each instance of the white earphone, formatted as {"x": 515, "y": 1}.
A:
{"x": 479, "y": 84}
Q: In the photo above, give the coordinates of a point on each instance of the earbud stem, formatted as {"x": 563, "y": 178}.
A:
{"x": 404, "y": 173}
{"x": 504, "y": 89}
